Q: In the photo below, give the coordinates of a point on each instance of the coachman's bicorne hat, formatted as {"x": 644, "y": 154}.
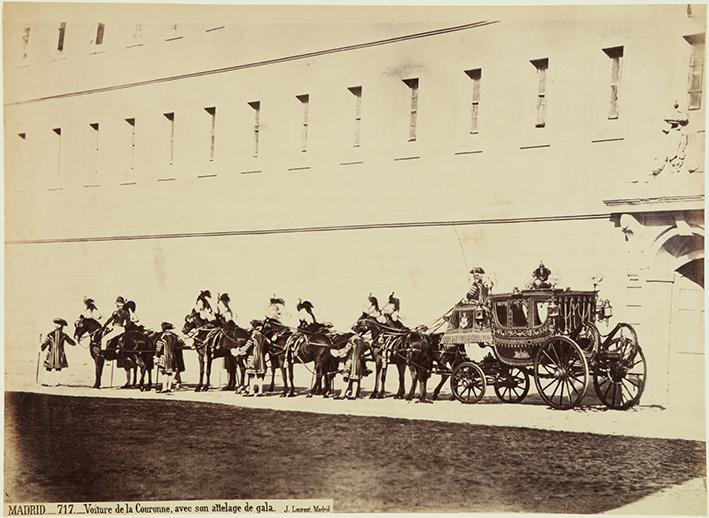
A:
{"x": 120, "y": 300}
{"x": 60, "y": 321}
{"x": 277, "y": 300}
{"x": 478, "y": 269}
{"x": 166, "y": 326}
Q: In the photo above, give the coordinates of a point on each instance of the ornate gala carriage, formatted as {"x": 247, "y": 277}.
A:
{"x": 550, "y": 335}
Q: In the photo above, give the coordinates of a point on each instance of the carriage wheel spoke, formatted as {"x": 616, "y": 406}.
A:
{"x": 573, "y": 387}
{"x": 544, "y": 389}
{"x": 546, "y": 368}
{"x": 557, "y": 388}
{"x": 636, "y": 385}
{"x": 561, "y": 394}
{"x": 630, "y": 391}
{"x": 556, "y": 354}
{"x": 550, "y": 358}
{"x": 605, "y": 394}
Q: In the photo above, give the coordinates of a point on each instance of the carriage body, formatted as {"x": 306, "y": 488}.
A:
{"x": 522, "y": 322}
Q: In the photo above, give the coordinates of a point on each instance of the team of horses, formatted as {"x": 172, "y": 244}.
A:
{"x": 315, "y": 345}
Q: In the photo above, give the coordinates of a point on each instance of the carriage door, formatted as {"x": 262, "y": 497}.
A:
{"x": 686, "y": 362}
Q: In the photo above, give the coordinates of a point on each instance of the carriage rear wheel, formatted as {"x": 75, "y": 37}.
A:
{"x": 561, "y": 373}
{"x": 512, "y": 384}
{"x": 468, "y": 383}
{"x": 620, "y": 374}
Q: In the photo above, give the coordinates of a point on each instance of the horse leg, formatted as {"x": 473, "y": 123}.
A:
{"x": 422, "y": 383}
{"x": 272, "y": 386}
{"x": 200, "y": 357}
{"x": 402, "y": 374}
{"x": 127, "y": 383}
{"x": 383, "y": 380}
{"x": 284, "y": 373}
{"x": 437, "y": 390}
{"x": 135, "y": 374}
{"x": 414, "y": 379}
{"x": 205, "y": 388}
{"x": 229, "y": 367}
{"x": 377, "y": 373}
{"x": 98, "y": 361}
{"x": 149, "y": 387}
{"x": 232, "y": 373}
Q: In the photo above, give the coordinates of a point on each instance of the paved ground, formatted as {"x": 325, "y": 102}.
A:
{"x": 688, "y": 498}
{"x": 641, "y": 421}
{"x": 107, "y": 449}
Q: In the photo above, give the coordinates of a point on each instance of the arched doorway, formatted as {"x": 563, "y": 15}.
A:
{"x": 686, "y": 354}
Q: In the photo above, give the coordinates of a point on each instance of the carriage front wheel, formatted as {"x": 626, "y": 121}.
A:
{"x": 561, "y": 373}
{"x": 468, "y": 382}
{"x": 512, "y": 384}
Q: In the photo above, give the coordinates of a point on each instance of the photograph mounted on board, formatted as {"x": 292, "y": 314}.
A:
{"x": 354, "y": 259}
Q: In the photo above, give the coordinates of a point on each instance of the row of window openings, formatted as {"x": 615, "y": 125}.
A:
{"x": 98, "y": 40}
{"x": 542, "y": 66}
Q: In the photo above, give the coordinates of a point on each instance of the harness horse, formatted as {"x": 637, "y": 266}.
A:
{"x": 213, "y": 342}
{"x": 133, "y": 350}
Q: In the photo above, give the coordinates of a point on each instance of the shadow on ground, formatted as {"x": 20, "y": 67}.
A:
{"x": 61, "y": 449}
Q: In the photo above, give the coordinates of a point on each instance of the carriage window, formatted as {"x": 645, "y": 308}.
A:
{"x": 501, "y": 310}
{"x": 519, "y": 314}
{"x": 541, "y": 313}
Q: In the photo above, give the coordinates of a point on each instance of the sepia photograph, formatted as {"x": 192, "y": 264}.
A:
{"x": 354, "y": 259}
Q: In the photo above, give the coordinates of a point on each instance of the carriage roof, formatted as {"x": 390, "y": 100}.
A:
{"x": 544, "y": 294}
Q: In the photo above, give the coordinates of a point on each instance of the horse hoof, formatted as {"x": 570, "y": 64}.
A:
{"x": 198, "y": 388}
{"x": 434, "y": 397}
{"x": 291, "y": 394}
{"x": 283, "y": 394}
{"x": 373, "y": 395}
{"x": 326, "y": 396}
{"x": 309, "y": 396}
{"x": 227, "y": 388}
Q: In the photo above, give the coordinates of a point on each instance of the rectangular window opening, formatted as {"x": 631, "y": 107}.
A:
{"x": 25, "y": 42}
{"x": 95, "y": 147}
{"x": 413, "y": 85}
{"x": 542, "y": 68}
{"x": 60, "y": 39}
{"x": 696, "y": 71}
{"x": 212, "y": 111}
{"x": 99, "y": 33}
{"x": 256, "y": 107}
{"x": 305, "y": 105}
{"x": 171, "y": 120}
{"x": 356, "y": 91}
{"x": 131, "y": 157}
{"x": 615, "y": 54}
{"x": 475, "y": 75}
{"x": 58, "y": 147}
